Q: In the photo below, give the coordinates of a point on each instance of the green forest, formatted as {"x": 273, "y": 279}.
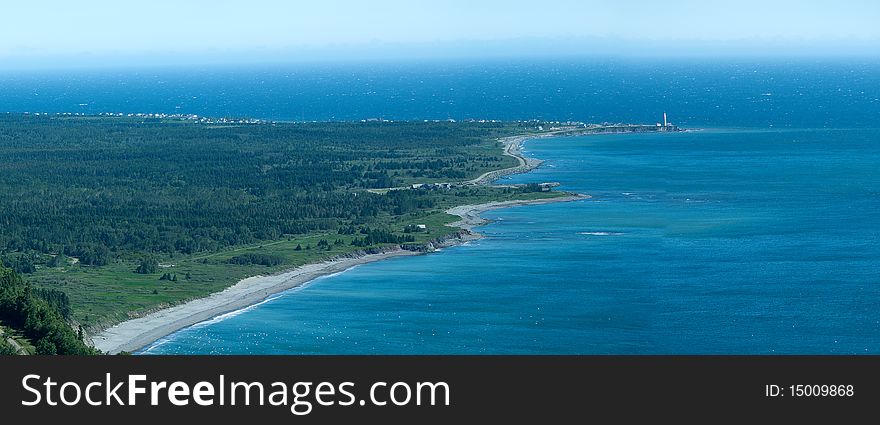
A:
{"x": 38, "y": 316}
{"x": 107, "y": 218}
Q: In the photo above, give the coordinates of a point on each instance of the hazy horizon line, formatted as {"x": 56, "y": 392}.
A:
{"x": 522, "y": 48}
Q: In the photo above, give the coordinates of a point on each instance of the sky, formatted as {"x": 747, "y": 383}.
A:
{"x": 58, "y": 32}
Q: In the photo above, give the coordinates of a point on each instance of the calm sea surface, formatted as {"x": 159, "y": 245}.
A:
{"x": 753, "y": 93}
{"x": 757, "y": 234}
{"x": 720, "y": 241}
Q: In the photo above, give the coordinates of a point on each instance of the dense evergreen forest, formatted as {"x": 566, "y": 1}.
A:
{"x": 37, "y": 314}
{"x": 102, "y": 188}
{"x": 109, "y": 218}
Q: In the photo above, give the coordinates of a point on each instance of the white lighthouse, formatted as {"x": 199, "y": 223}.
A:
{"x": 665, "y": 124}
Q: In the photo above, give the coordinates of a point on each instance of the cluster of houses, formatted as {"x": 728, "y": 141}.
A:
{"x": 546, "y": 187}
{"x": 191, "y": 117}
{"x": 155, "y": 117}
{"x": 432, "y": 186}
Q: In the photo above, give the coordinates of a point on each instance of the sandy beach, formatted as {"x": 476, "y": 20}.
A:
{"x": 512, "y": 147}
{"x": 138, "y": 333}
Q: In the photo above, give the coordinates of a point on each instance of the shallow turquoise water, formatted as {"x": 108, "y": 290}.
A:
{"x": 717, "y": 241}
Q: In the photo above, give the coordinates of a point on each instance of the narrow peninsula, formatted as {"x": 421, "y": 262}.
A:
{"x": 166, "y": 221}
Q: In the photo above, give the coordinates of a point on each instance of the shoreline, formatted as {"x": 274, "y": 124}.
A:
{"x": 135, "y": 334}
{"x": 470, "y": 214}
{"x": 512, "y": 147}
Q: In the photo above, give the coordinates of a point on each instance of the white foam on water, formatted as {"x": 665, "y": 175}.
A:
{"x": 156, "y": 344}
{"x": 232, "y": 314}
{"x": 273, "y": 297}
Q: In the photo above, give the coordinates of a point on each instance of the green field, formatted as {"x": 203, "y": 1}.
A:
{"x": 107, "y": 294}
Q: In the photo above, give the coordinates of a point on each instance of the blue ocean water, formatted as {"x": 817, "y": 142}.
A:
{"x": 744, "y": 92}
{"x": 717, "y": 241}
{"x": 756, "y": 234}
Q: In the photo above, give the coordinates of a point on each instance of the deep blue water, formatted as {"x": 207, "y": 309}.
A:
{"x": 798, "y": 93}
{"x": 757, "y": 234}
{"x": 719, "y": 241}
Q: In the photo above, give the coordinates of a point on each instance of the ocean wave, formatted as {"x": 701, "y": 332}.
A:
{"x": 273, "y": 297}
{"x": 231, "y": 314}
{"x": 326, "y": 276}
{"x": 600, "y": 233}
{"x": 154, "y": 345}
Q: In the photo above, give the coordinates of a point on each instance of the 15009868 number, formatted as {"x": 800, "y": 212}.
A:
{"x": 806, "y": 390}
